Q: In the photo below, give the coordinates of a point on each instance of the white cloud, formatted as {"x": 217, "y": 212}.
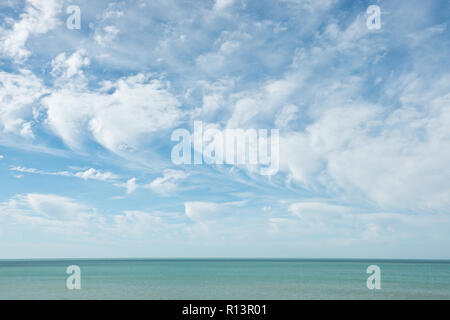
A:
{"x": 113, "y": 11}
{"x": 105, "y": 30}
{"x": 65, "y": 216}
{"x": 18, "y": 94}
{"x": 302, "y": 209}
{"x": 89, "y": 174}
{"x": 146, "y": 104}
{"x": 222, "y": 4}
{"x": 106, "y": 35}
{"x": 164, "y": 185}
{"x": 38, "y": 18}
{"x": 259, "y": 106}
{"x": 168, "y": 182}
{"x": 67, "y": 67}
{"x": 96, "y": 175}
{"x": 213, "y": 98}
{"x": 131, "y": 185}
{"x": 48, "y": 212}
{"x": 390, "y": 153}
{"x": 360, "y": 149}
{"x": 225, "y": 54}
{"x": 1, "y": 157}
{"x": 287, "y": 114}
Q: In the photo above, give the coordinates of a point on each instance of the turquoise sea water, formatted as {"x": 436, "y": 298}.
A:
{"x": 224, "y": 279}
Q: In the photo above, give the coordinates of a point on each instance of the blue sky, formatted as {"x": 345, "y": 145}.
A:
{"x": 86, "y": 118}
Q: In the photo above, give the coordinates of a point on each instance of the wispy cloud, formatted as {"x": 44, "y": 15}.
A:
{"x": 89, "y": 174}
{"x": 168, "y": 183}
{"x": 38, "y": 18}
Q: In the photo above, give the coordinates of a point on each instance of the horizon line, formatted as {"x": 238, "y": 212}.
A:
{"x": 229, "y": 258}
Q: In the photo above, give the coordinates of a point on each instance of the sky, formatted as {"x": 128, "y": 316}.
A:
{"x": 87, "y": 117}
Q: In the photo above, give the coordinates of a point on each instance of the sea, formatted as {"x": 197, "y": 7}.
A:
{"x": 247, "y": 279}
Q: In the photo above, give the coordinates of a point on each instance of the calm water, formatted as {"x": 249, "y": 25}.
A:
{"x": 224, "y": 279}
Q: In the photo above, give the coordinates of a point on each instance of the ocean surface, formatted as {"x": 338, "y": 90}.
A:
{"x": 224, "y": 279}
